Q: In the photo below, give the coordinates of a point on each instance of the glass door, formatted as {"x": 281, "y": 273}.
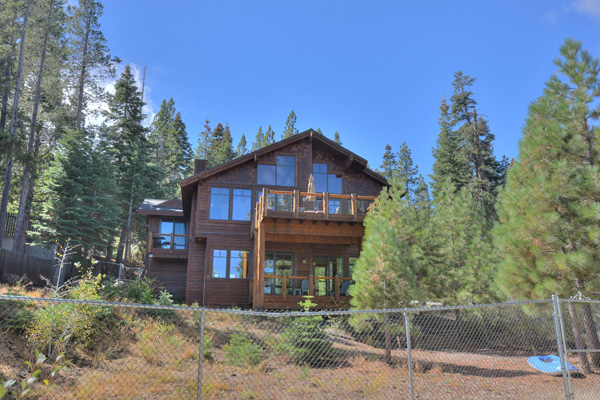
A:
{"x": 326, "y": 267}
{"x": 278, "y": 264}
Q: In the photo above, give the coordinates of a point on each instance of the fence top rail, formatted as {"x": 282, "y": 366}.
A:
{"x": 267, "y": 313}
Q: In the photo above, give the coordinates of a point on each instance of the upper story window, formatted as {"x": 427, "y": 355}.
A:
{"x": 324, "y": 181}
{"x": 283, "y": 173}
{"x": 219, "y": 203}
{"x": 220, "y": 209}
{"x": 242, "y": 205}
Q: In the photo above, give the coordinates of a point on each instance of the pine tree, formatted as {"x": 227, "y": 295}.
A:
{"x": 290, "y": 126}
{"x": 407, "y": 172}
{"x": 387, "y": 272}
{"x": 269, "y": 138}
{"x": 204, "y": 142}
{"x": 389, "y": 164}
{"x": 336, "y": 138}
{"x": 80, "y": 191}
{"x": 258, "y": 140}
{"x": 169, "y": 139}
{"x": 549, "y": 231}
{"x": 450, "y": 160}
{"x": 90, "y": 62}
{"x": 241, "y": 147}
{"x": 221, "y": 146}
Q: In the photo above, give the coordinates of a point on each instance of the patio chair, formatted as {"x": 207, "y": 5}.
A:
{"x": 304, "y": 286}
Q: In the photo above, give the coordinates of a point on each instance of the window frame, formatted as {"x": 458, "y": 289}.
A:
{"x": 210, "y": 194}
{"x": 232, "y": 206}
{"x": 274, "y": 163}
{"x": 327, "y": 176}
{"x": 228, "y": 253}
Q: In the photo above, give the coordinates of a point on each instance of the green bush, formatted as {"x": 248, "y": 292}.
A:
{"x": 242, "y": 351}
{"x": 164, "y": 299}
{"x": 139, "y": 291}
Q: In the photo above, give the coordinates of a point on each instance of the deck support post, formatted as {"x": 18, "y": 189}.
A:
{"x": 336, "y": 288}
{"x": 284, "y": 286}
{"x": 311, "y": 285}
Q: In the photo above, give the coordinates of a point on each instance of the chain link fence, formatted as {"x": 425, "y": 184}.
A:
{"x": 96, "y": 350}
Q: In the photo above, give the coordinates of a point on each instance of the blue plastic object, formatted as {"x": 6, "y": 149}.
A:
{"x": 548, "y": 364}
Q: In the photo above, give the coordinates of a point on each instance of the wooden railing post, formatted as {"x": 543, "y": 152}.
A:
{"x": 150, "y": 241}
{"x": 326, "y": 205}
{"x": 284, "y": 286}
{"x": 353, "y": 205}
{"x": 336, "y": 283}
{"x": 265, "y": 199}
{"x": 296, "y": 203}
{"x": 172, "y": 241}
{"x": 311, "y": 285}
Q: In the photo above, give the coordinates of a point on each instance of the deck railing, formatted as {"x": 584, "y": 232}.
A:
{"x": 297, "y": 204}
{"x": 316, "y": 285}
{"x": 167, "y": 241}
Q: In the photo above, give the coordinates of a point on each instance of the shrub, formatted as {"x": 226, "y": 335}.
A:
{"x": 54, "y": 322}
{"x": 164, "y": 299}
{"x": 242, "y": 351}
{"x": 306, "y": 339}
{"x": 139, "y": 290}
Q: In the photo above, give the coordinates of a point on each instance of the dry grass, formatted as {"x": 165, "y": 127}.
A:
{"x": 21, "y": 289}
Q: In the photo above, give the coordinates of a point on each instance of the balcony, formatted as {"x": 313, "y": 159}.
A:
{"x": 167, "y": 245}
{"x": 312, "y": 206}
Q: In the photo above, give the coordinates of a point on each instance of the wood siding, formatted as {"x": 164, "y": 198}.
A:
{"x": 172, "y": 274}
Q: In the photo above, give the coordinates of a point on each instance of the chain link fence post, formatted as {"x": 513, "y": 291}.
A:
{"x": 410, "y": 373}
{"x": 200, "y": 354}
{"x": 560, "y": 335}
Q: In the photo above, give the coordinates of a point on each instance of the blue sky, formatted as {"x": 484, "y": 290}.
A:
{"x": 375, "y": 71}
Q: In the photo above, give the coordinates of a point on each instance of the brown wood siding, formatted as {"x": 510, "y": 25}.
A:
{"x": 171, "y": 274}
{"x": 227, "y": 292}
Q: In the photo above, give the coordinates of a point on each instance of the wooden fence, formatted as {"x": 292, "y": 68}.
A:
{"x": 14, "y": 264}
{"x": 11, "y": 225}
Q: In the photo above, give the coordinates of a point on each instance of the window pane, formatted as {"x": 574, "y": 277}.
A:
{"x": 219, "y": 264}
{"x": 242, "y": 205}
{"x": 239, "y": 264}
{"x": 285, "y": 176}
{"x": 166, "y": 228}
{"x": 289, "y": 161}
{"x": 320, "y": 183}
{"x": 265, "y": 174}
{"x": 219, "y": 203}
{"x": 319, "y": 168}
{"x": 334, "y": 183}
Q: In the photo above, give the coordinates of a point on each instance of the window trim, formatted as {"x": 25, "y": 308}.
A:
{"x": 230, "y": 207}
{"x": 274, "y": 163}
{"x": 327, "y": 175}
{"x": 210, "y": 194}
{"x": 228, "y": 264}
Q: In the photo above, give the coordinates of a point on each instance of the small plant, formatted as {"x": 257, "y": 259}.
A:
{"x": 164, "y": 299}
{"x": 139, "y": 290}
{"x": 242, "y": 351}
{"x": 307, "y": 341}
{"x": 35, "y": 371}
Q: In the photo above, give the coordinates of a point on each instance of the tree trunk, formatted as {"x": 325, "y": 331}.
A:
{"x": 591, "y": 333}
{"x": 20, "y": 229}
{"x": 13, "y": 127}
{"x": 6, "y": 88}
{"x": 583, "y": 360}
{"x": 81, "y": 83}
{"x": 121, "y": 248}
{"x": 30, "y": 192}
{"x": 109, "y": 251}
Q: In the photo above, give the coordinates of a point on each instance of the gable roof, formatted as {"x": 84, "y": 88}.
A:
{"x": 187, "y": 184}
{"x": 172, "y": 207}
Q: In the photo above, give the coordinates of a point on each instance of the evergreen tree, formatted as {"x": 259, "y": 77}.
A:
{"x": 407, "y": 172}
{"x": 549, "y": 231}
{"x": 269, "y": 138}
{"x": 387, "y": 272}
{"x": 169, "y": 138}
{"x": 241, "y": 147}
{"x": 221, "y": 146}
{"x": 204, "y": 142}
{"x": 389, "y": 165}
{"x": 90, "y": 62}
{"x": 450, "y": 160}
{"x": 290, "y": 126}
{"x": 319, "y": 131}
{"x": 460, "y": 272}
{"x": 258, "y": 140}
{"x": 477, "y": 144}
{"x": 336, "y": 138}
{"x": 80, "y": 191}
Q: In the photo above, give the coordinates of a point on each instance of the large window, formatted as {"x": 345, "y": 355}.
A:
{"x": 170, "y": 226}
{"x": 219, "y": 203}
{"x": 278, "y": 264}
{"x": 324, "y": 181}
{"x": 242, "y": 205}
{"x": 283, "y": 173}
{"x": 232, "y": 264}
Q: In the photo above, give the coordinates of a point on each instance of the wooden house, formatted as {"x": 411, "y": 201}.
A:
{"x": 252, "y": 232}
